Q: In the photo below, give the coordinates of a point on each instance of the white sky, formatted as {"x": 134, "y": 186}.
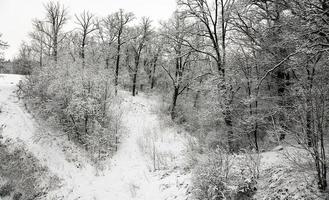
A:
{"x": 16, "y": 15}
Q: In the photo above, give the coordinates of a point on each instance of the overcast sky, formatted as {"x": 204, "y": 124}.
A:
{"x": 16, "y": 15}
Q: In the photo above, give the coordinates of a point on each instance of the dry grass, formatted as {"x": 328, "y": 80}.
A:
{"x": 22, "y": 174}
{"x": 160, "y": 147}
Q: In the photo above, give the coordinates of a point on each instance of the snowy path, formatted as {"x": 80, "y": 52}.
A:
{"x": 128, "y": 177}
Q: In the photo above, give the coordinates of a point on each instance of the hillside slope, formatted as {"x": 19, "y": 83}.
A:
{"x": 128, "y": 175}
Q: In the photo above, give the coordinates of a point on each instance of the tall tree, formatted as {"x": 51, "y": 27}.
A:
{"x": 174, "y": 34}
{"x": 52, "y": 26}
{"x": 310, "y": 20}
{"x": 38, "y": 46}
{"x": 118, "y": 23}
{"x": 86, "y": 26}
{"x": 152, "y": 58}
{"x": 141, "y": 35}
{"x": 212, "y": 19}
{"x": 179, "y": 60}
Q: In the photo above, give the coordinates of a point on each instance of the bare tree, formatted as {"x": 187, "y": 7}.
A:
{"x": 142, "y": 34}
{"x": 52, "y": 26}
{"x": 214, "y": 18}
{"x": 309, "y": 114}
{"x": 152, "y": 59}
{"x": 38, "y": 45}
{"x": 178, "y": 59}
{"x": 86, "y": 27}
{"x": 118, "y": 22}
{"x": 212, "y": 22}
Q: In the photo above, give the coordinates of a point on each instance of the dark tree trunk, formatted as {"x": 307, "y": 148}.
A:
{"x": 320, "y": 153}
{"x": 153, "y": 73}
{"x": 256, "y": 127}
{"x": 137, "y": 59}
{"x": 55, "y": 46}
{"x": 86, "y": 123}
{"x": 83, "y": 55}
{"x": 323, "y": 182}
{"x": 116, "y": 74}
{"x": 308, "y": 126}
{"x": 107, "y": 62}
{"x": 309, "y": 120}
{"x": 256, "y": 137}
{"x": 134, "y": 82}
{"x": 174, "y": 102}
{"x": 117, "y": 65}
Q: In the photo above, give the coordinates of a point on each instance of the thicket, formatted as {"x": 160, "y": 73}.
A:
{"x": 76, "y": 103}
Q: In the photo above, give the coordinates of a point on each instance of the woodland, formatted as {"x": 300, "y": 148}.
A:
{"x": 241, "y": 77}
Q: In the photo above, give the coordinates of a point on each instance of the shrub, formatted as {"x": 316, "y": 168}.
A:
{"x": 246, "y": 189}
{"x": 17, "y": 196}
{"x": 221, "y": 175}
{"x": 211, "y": 177}
{"x": 78, "y": 102}
{"x": 6, "y": 189}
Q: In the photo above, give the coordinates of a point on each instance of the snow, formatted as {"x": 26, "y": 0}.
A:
{"x": 129, "y": 174}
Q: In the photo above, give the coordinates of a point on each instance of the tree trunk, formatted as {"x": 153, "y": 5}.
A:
{"x": 137, "y": 58}
{"x": 174, "y": 102}
{"x": 83, "y": 54}
{"x": 116, "y": 75}
{"x": 153, "y": 74}
{"x": 229, "y": 125}
{"x": 117, "y": 65}
{"x": 256, "y": 127}
{"x": 324, "y": 183}
{"x": 55, "y": 48}
{"x": 135, "y": 82}
{"x": 308, "y": 127}
{"x": 309, "y": 120}
{"x": 107, "y": 62}
{"x": 321, "y": 155}
{"x": 256, "y": 137}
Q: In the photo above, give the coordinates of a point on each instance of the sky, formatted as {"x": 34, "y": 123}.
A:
{"x": 16, "y": 15}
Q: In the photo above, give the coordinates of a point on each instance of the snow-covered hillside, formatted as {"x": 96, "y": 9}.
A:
{"x": 128, "y": 175}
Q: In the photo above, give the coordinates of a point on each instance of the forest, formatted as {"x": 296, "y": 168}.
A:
{"x": 245, "y": 83}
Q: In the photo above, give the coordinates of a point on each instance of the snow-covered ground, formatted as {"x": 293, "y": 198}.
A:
{"x": 130, "y": 173}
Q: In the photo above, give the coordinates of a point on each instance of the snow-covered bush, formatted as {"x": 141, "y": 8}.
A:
{"x": 211, "y": 177}
{"x": 289, "y": 182}
{"x": 77, "y": 101}
{"x": 220, "y": 175}
{"x": 250, "y": 162}
{"x": 246, "y": 189}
